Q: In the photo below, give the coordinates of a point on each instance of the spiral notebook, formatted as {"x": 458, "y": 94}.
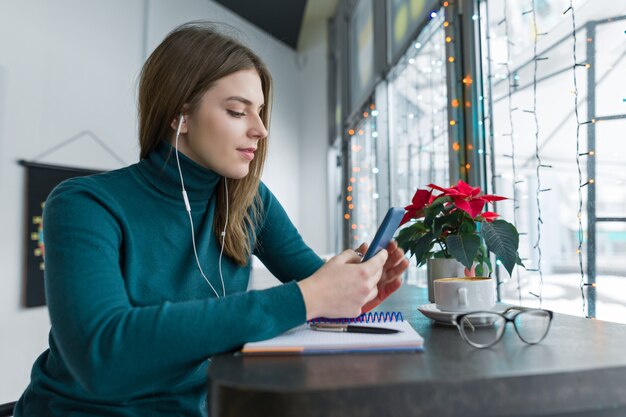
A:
{"x": 303, "y": 340}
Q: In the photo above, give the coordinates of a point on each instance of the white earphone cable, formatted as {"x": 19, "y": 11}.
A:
{"x": 224, "y": 238}
{"x": 188, "y": 208}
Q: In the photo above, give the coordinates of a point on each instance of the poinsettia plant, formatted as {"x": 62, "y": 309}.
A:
{"x": 454, "y": 224}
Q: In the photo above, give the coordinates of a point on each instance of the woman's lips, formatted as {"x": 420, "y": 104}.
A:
{"x": 247, "y": 153}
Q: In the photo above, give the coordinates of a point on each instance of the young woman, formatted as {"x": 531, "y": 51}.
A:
{"x": 147, "y": 266}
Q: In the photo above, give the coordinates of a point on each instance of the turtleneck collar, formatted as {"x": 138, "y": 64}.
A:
{"x": 160, "y": 169}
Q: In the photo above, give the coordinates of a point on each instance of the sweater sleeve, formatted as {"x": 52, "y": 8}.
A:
{"x": 115, "y": 349}
{"x": 279, "y": 245}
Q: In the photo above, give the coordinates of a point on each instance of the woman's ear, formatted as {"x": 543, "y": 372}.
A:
{"x": 183, "y": 127}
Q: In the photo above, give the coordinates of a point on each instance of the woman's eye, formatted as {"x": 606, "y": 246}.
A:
{"x": 235, "y": 113}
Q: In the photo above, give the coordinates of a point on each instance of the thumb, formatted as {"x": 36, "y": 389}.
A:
{"x": 362, "y": 248}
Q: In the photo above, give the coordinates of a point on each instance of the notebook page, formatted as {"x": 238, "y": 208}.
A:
{"x": 303, "y": 338}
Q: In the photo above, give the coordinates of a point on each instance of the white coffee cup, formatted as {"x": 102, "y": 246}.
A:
{"x": 464, "y": 294}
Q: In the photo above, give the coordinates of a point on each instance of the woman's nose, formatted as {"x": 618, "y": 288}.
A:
{"x": 258, "y": 131}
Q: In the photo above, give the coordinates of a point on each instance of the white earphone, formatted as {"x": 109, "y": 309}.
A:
{"x": 188, "y": 208}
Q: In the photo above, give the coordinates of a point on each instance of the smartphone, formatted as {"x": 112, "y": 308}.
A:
{"x": 385, "y": 232}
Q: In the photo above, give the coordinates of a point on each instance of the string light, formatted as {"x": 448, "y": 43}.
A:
{"x": 538, "y": 190}
{"x": 580, "y": 175}
{"x": 511, "y": 133}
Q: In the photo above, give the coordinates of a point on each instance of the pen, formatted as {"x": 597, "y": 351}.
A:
{"x": 336, "y": 327}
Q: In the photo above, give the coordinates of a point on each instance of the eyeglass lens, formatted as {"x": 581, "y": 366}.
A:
{"x": 482, "y": 329}
{"x": 532, "y": 325}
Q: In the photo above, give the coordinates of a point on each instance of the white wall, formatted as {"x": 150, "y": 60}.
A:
{"x": 313, "y": 103}
{"x": 70, "y": 65}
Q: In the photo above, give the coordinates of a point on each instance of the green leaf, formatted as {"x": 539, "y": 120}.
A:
{"x": 433, "y": 211}
{"x": 464, "y": 248}
{"x": 502, "y": 239}
{"x": 421, "y": 249}
{"x": 468, "y": 225}
{"x": 448, "y": 222}
{"x": 408, "y": 236}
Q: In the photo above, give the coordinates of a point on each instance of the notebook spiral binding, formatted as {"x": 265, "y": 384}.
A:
{"x": 375, "y": 317}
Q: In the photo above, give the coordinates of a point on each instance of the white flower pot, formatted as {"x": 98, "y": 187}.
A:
{"x": 442, "y": 268}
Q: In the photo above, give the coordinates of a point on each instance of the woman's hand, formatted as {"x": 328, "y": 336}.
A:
{"x": 391, "y": 278}
{"x": 343, "y": 285}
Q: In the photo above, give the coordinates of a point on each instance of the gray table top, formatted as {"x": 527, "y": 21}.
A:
{"x": 580, "y": 367}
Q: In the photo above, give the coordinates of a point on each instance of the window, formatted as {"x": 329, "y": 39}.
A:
{"x": 362, "y": 188}
{"x": 418, "y": 116}
{"x": 533, "y": 133}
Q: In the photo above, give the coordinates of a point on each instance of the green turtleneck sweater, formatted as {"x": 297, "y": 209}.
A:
{"x": 133, "y": 322}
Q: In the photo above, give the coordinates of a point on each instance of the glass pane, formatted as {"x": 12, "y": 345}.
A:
{"x": 419, "y": 120}
{"x": 362, "y": 189}
{"x": 361, "y": 51}
{"x": 551, "y": 170}
{"x": 404, "y": 17}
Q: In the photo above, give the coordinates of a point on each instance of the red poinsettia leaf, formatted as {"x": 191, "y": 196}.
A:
{"x": 434, "y": 197}
{"x": 473, "y": 207}
{"x": 421, "y": 198}
{"x": 489, "y": 216}
{"x": 477, "y": 206}
{"x": 412, "y": 212}
{"x": 467, "y": 190}
{"x": 406, "y": 218}
{"x": 490, "y": 198}
{"x": 445, "y": 191}
{"x": 462, "y": 204}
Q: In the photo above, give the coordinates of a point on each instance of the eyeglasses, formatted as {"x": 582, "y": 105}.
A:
{"x": 483, "y": 329}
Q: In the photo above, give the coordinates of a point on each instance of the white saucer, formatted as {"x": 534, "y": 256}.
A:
{"x": 445, "y": 317}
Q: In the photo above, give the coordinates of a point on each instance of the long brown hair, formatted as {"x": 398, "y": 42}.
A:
{"x": 181, "y": 69}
